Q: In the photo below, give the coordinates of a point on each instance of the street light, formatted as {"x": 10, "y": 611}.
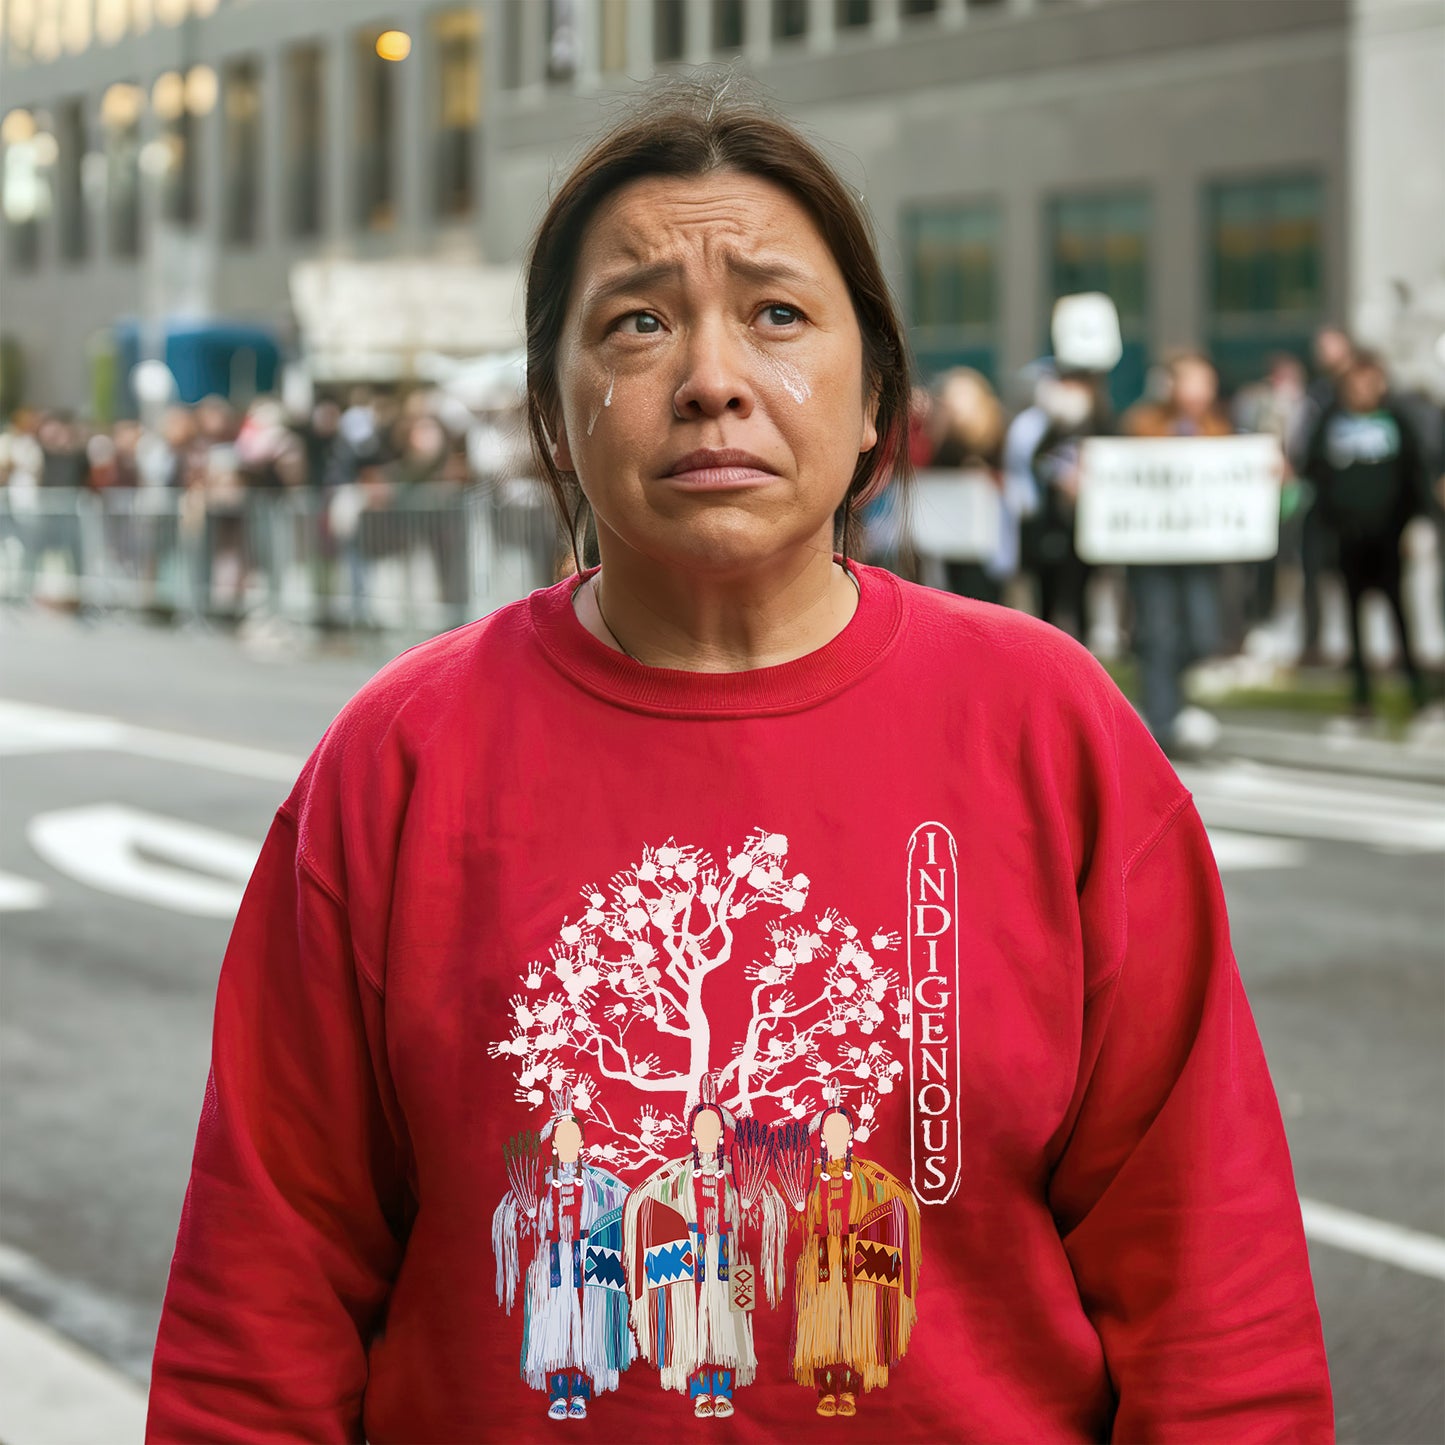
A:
{"x": 393, "y": 45}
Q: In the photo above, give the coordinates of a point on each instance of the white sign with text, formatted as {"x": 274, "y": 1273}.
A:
{"x": 1178, "y": 499}
{"x": 955, "y": 515}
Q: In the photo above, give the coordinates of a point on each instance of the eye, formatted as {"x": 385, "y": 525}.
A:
{"x": 778, "y": 314}
{"x": 646, "y": 324}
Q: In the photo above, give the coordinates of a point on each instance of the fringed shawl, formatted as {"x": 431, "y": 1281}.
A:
{"x": 855, "y": 1300}
{"x": 678, "y": 1277}
{"x": 575, "y": 1308}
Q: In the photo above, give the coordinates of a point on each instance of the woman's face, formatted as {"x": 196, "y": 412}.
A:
{"x": 837, "y": 1135}
{"x": 707, "y": 1131}
{"x": 567, "y": 1137}
{"x": 708, "y": 315}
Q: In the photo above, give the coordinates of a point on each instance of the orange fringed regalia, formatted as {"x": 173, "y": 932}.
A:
{"x": 856, "y": 1280}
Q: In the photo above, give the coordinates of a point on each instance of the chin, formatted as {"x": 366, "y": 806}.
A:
{"x": 725, "y": 548}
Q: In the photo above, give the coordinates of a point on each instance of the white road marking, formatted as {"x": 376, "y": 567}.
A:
{"x": 19, "y": 895}
{"x": 26, "y": 728}
{"x": 144, "y": 856}
{"x": 52, "y": 1392}
{"x": 1410, "y": 1249}
{"x": 1290, "y": 802}
{"x": 1248, "y": 852}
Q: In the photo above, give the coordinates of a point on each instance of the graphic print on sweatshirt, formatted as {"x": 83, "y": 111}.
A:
{"x": 725, "y": 1037}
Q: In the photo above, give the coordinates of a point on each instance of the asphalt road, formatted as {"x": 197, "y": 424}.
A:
{"x": 1334, "y": 887}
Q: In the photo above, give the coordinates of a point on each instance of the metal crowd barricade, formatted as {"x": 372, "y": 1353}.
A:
{"x": 413, "y": 560}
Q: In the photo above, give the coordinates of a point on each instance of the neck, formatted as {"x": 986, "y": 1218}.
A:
{"x": 716, "y": 619}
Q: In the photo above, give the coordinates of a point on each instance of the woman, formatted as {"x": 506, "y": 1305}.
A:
{"x": 856, "y": 1280}
{"x": 683, "y": 1244}
{"x": 1175, "y": 607}
{"x": 619, "y": 836}
{"x": 575, "y": 1337}
{"x": 970, "y": 427}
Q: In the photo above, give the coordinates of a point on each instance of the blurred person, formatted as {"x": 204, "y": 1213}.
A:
{"x": 429, "y": 483}
{"x": 1369, "y": 467}
{"x": 261, "y": 441}
{"x": 21, "y": 463}
{"x": 613, "y": 786}
{"x": 1176, "y": 605}
{"x": 1074, "y": 407}
{"x": 921, "y": 427}
{"x": 56, "y": 529}
{"x": 1274, "y": 406}
{"x": 215, "y": 512}
{"x": 1333, "y": 354}
{"x": 968, "y": 431}
{"x": 126, "y": 433}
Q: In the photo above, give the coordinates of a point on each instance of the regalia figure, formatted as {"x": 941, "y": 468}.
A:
{"x": 568, "y": 1214}
{"x": 856, "y": 1280}
{"x": 699, "y": 1235}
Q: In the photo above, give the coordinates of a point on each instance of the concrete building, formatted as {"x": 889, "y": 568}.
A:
{"x": 1232, "y": 174}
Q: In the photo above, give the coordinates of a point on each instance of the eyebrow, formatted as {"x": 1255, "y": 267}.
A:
{"x": 639, "y": 278}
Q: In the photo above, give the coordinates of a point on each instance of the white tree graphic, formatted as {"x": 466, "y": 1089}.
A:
{"x": 625, "y": 979}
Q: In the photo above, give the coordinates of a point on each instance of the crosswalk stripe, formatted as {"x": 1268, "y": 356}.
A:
{"x": 1292, "y": 803}
{"x": 52, "y": 1392}
{"x": 1410, "y": 1249}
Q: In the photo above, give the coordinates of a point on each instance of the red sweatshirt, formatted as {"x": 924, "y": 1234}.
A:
{"x": 937, "y": 869}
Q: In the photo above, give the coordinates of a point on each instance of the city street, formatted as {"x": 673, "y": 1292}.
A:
{"x": 141, "y": 769}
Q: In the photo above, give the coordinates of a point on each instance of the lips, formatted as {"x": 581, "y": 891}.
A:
{"x": 719, "y": 468}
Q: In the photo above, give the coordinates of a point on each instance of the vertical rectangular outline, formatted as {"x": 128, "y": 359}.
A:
{"x": 914, "y": 1043}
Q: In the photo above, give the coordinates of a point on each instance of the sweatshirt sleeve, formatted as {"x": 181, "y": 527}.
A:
{"x": 290, "y": 1231}
{"x": 1174, "y": 1192}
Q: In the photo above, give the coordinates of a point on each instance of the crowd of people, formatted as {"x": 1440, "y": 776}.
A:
{"x": 1361, "y": 463}
{"x": 355, "y": 463}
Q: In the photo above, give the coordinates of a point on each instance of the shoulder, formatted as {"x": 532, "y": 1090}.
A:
{"x": 1056, "y": 722}
{"x": 1145, "y": 419}
{"x": 998, "y": 657}
{"x": 366, "y": 759}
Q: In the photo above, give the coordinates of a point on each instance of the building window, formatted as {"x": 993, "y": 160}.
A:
{"x": 668, "y": 18}
{"x": 912, "y": 9}
{"x": 790, "y": 19}
{"x": 1266, "y": 277}
{"x": 512, "y": 43}
{"x": 24, "y": 187}
{"x": 1101, "y": 243}
{"x": 951, "y": 251}
{"x": 241, "y": 142}
{"x": 458, "y": 109}
{"x": 305, "y": 137}
{"x": 375, "y": 131}
{"x": 177, "y": 149}
{"x": 71, "y": 135}
{"x": 727, "y": 25}
{"x": 853, "y": 14}
{"x": 46, "y": 44}
{"x": 110, "y": 21}
{"x": 561, "y": 39}
{"x": 120, "y": 112}
{"x": 612, "y": 22}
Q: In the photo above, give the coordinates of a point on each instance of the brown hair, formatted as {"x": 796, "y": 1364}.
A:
{"x": 693, "y": 128}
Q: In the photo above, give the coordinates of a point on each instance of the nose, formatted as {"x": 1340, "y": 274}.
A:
{"x": 715, "y": 377}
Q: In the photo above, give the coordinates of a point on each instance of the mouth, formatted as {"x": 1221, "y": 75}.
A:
{"x": 719, "y": 470}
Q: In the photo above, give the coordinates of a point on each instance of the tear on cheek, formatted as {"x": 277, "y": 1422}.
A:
{"x": 787, "y": 376}
{"x": 606, "y": 402}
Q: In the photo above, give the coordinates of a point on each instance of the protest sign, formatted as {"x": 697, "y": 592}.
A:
{"x": 955, "y": 515}
{"x": 1178, "y": 499}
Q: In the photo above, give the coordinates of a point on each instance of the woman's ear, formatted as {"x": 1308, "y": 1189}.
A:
{"x": 561, "y": 451}
{"x": 869, "y": 439}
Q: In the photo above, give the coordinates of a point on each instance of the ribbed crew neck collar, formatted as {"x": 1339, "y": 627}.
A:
{"x": 786, "y": 687}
